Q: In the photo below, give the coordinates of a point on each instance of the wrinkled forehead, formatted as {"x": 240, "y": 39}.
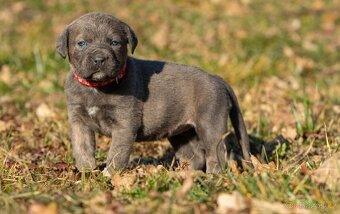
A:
{"x": 97, "y": 27}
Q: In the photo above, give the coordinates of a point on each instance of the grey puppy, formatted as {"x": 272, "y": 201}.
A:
{"x": 135, "y": 100}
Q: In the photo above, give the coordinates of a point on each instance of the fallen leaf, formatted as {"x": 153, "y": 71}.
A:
{"x": 289, "y": 52}
{"x": 227, "y": 203}
{"x": 38, "y": 208}
{"x": 44, "y": 112}
{"x": 123, "y": 180}
{"x": 329, "y": 172}
{"x": 3, "y": 126}
{"x": 329, "y": 21}
{"x": 260, "y": 206}
{"x": 236, "y": 203}
{"x": 304, "y": 169}
{"x": 5, "y": 74}
{"x": 262, "y": 167}
{"x": 318, "y": 5}
{"x": 161, "y": 38}
{"x": 103, "y": 203}
{"x": 289, "y": 132}
{"x": 233, "y": 165}
{"x": 182, "y": 174}
{"x": 61, "y": 166}
{"x": 296, "y": 24}
{"x": 187, "y": 184}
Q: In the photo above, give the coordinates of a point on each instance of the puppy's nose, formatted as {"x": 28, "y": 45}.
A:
{"x": 99, "y": 60}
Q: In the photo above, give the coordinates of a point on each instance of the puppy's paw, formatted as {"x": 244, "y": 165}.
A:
{"x": 85, "y": 165}
{"x": 107, "y": 173}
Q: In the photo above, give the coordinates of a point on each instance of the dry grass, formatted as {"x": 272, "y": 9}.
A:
{"x": 281, "y": 57}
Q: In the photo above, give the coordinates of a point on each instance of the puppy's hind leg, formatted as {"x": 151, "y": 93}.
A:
{"x": 211, "y": 129}
{"x": 188, "y": 150}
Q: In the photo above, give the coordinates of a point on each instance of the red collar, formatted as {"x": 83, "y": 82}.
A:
{"x": 120, "y": 75}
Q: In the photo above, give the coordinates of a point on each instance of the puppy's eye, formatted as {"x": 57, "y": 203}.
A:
{"x": 114, "y": 42}
{"x": 82, "y": 43}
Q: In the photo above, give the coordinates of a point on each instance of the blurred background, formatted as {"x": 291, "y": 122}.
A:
{"x": 281, "y": 57}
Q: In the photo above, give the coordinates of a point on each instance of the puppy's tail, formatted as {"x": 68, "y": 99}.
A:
{"x": 238, "y": 124}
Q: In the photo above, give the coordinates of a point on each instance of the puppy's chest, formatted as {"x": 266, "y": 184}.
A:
{"x": 102, "y": 117}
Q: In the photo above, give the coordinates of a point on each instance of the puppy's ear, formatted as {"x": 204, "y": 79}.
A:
{"x": 62, "y": 43}
{"x": 132, "y": 38}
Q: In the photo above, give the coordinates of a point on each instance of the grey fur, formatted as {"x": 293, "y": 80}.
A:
{"x": 154, "y": 100}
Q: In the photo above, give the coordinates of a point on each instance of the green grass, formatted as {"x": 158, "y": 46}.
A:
{"x": 281, "y": 57}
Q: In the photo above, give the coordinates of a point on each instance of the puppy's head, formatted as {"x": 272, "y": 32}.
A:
{"x": 96, "y": 45}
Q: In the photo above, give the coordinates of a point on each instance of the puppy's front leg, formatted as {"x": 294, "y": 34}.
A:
{"x": 120, "y": 149}
{"x": 83, "y": 143}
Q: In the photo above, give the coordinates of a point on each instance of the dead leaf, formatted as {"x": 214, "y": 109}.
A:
{"x": 329, "y": 21}
{"x": 182, "y": 174}
{"x": 3, "y": 126}
{"x": 296, "y": 24}
{"x": 329, "y": 172}
{"x": 161, "y": 38}
{"x": 44, "y": 112}
{"x": 260, "y": 206}
{"x": 303, "y": 63}
{"x": 233, "y": 165}
{"x": 9, "y": 13}
{"x": 304, "y": 169}
{"x": 5, "y": 74}
{"x": 38, "y": 208}
{"x": 289, "y": 132}
{"x": 236, "y": 203}
{"x": 234, "y": 8}
{"x": 227, "y": 203}
{"x": 262, "y": 167}
{"x": 103, "y": 203}
{"x": 61, "y": 166}
{"x": 187, "y": 184}
{"x": 288, "y": 51}
{"x": 318, "y": 5}
{"x": 123, "y": 180}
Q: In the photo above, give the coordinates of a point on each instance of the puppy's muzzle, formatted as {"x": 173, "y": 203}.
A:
{"x": 98, "y": 60}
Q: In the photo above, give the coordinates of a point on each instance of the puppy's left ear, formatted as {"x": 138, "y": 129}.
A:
{"x": 132, "y": 38}
{"x": 62, "y": 43}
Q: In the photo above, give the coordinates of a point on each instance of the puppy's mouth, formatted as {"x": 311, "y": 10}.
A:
{"x": 99, "y": 76}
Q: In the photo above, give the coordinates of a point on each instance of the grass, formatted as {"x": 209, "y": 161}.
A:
{"x": 281, "y": 57}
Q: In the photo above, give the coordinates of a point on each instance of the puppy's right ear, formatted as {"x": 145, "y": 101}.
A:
{"x": 132, "y": 38}
{"x": 62, "y": 43}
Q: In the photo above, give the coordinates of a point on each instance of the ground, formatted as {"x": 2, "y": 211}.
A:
{"x": 281, "y": 57}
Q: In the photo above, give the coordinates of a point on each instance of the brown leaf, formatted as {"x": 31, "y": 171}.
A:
{"x": 262, "y": 167}
{"x": 304, "y": 169}
{"x": 289, "y": 132}
{"x": 161, "y": 38}
{"x": 32, "y": 166}
{"x": 5, "y": 74}
{"x": 3, "y": 126}
{"x": 329, "y": 21}
{"x": 44, "y": 112}
{"x": 187, "y": 184}
{"x": 123, "y": 180}
{"x": 329, "y": 172}
{"x": 260, "y": 206}
{"x": 227, "y": 203}
{"x": 61, "y": 166}
{"x": 38, "y": 208}
{"x": 236, "y": 203}
{"x": 233, "y": 165}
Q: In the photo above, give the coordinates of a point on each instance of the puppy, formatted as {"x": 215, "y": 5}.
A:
{"x": 134, "y": 100}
